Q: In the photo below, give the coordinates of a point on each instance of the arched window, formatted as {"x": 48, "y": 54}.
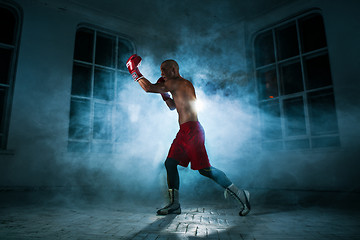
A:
{"x": 294, "y": 85}
{"x": 10, "y": 22}
{"x": 99, "y": 67}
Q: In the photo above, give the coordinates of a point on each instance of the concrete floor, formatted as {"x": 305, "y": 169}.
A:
{"x": 199, "y": 220}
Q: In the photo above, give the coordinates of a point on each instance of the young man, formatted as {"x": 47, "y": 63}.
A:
{"x": 188, "y": 146}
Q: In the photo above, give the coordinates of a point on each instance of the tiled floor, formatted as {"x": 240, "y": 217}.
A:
{"x": 210, "y": 220}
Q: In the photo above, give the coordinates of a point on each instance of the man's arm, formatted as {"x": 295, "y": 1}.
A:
{"x": 159, "y": 87}
{"x": 152, "y": 88}
{"x": 171, "y": 104}
{"x": 132, "y": 64}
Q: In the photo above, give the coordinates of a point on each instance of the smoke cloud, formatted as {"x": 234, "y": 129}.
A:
{"x": 145, "y": 127}
{"x": 213, "y": 58}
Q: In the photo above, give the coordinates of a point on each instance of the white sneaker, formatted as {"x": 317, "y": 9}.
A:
{"x": 242, "y": 196}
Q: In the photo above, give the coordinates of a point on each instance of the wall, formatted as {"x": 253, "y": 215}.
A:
{"x": 37, "y": 145}
{"x": 327, "y": 169}
{"x": 218, "y": 61}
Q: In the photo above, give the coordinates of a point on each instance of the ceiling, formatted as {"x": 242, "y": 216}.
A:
{"x": 170, "y": 14}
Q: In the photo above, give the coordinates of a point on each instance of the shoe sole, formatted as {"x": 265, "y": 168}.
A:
{"x": 176, "y": 211}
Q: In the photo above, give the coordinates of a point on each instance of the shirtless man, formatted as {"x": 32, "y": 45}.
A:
{"x": 188, "y": 146}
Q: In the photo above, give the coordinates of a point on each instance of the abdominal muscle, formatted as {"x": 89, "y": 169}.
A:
{"x": 185, "y": 98}
{"x": 187, "y": 112}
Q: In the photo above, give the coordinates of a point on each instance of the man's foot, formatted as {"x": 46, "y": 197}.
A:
{"x": 242, "y": 196}
{"x": 246, "y": 205}
{"x": 173, "y": 208}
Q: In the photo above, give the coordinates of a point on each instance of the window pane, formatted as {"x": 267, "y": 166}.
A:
{"x": 121, "y": 79}
{"x": 104, "y": 84}
{"x": 2, "y": 108}
{"x": 125, "y": 51}
{"x": 326, "y": 142}
{"x": 272, "y": 146}
{"x": 294, "y": 117}
{"x": 79, "y": 119}
{"x": 7, "y": 26}
{"x": 102, "y": 121}
{"x": 317, "y": 71}
{"x": 323, "y": 119}
{"x": 297, "y": 144}
{"x": 264, "y": 49}
{"x": 105, "y": 50}
{"x": 312, "y": 33}
{"x": 287, "y": 42}
{"x": 101, "y": 147}
{"x": 81, "y": 80}
{"x": 78, "y": 146}
{"x": 5, "y": 60}
{"x": 84, "y": 44}
{"x": 291, "y": 78}
{"x": 267, "y": 84}
{"x": 121, "y": 123}
{"x": 270, "y": 119}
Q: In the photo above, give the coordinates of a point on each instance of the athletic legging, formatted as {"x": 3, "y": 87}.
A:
{"x": 213, "y": 173}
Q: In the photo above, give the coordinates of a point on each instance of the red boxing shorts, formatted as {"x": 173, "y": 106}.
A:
{"x": 188, "y": 146}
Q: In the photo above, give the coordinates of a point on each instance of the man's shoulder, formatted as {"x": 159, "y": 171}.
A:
{"x": 180, "y": 83}
{"x": 179, "y": 80}
{"x": 183, "y": 80}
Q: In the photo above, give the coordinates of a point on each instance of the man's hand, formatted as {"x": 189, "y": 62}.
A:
{"x": 132, "y": 64}
{"x": 165, "y": 96}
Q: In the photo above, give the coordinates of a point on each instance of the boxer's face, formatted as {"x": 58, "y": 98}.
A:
{"x": 166, "y": 71}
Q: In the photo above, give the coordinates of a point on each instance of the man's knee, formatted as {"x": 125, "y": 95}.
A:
{"x": 206, "y": 172}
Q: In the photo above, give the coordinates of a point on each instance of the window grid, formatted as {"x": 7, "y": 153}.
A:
{"x": 282, "y": 97}
{"x": 9, "y": 41}
{"x": 109, "y": 105}
{"x": 306, "y": 110}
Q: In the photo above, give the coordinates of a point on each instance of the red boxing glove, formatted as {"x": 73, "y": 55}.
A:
{"x": 132, "y": 64}
{"x": 165, "y": 96}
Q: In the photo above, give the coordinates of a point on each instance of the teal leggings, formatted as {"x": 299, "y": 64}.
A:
{"x": 213, "y": 173}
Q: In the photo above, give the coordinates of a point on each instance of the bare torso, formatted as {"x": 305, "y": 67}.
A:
{"x": 184, "y": 96}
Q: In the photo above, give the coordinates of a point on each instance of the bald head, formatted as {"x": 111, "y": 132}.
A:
{"x": 170, "y": 64}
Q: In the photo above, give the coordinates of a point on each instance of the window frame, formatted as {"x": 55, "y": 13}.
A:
{"x": 8, "y": 99}
{"x": 275, "y": 65}
{"x": 91, "y": 142}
